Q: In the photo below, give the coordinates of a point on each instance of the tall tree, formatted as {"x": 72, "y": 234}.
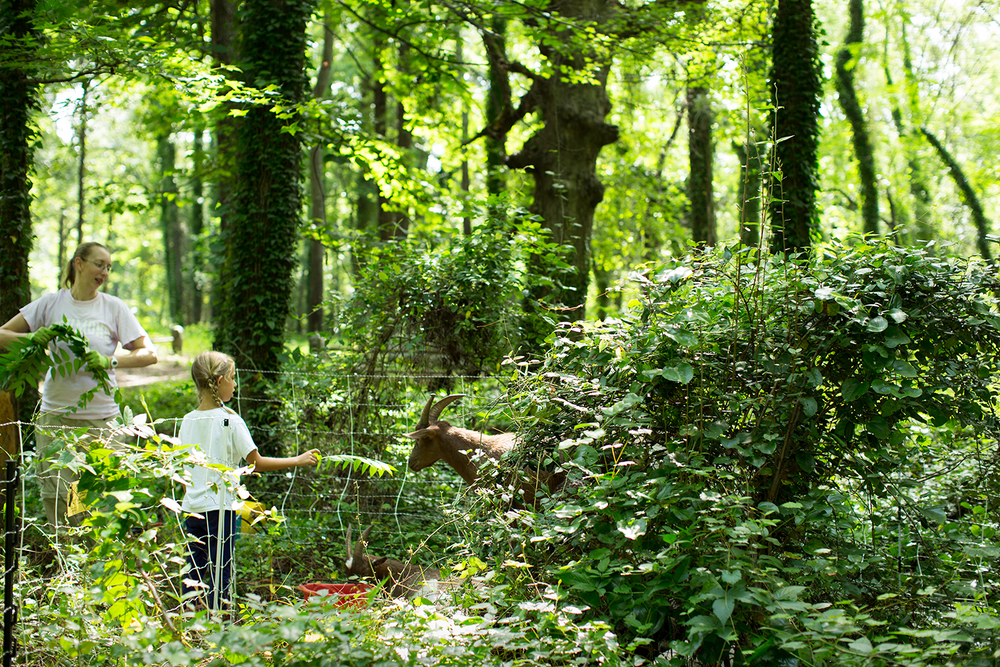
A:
{"x": 700, "y": 190}
{"x": 197, "y": 220}
{"x": 847, "y": 59}
{"x": 170, "y": 226}
{"x": 81, "y": 134}
{"x": 223, "y": 51}
{"x": 796, "y": 88}
{"x": 923, "y": 229}
{"x": 267, "y": 197}
{"x": 18, "y": 101}
{"x": 498, "y": 100}
{"x": 317, "y": 188}
{"x": 967, "y": 192}
{"x": 571, "y": 102}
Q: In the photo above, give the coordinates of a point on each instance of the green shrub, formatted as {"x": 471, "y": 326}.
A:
{"x": 168, "y": 401}
{"x": 758, "y": 455}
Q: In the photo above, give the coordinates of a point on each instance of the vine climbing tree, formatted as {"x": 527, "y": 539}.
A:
{"x": 267, "y": 198}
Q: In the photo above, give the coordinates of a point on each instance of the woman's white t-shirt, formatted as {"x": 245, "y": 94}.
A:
{"x": 106, "y": 321}
{"x": 224, "y": 438}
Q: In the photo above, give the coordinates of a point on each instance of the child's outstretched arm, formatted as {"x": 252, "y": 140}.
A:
{"x": 268, "y": 463}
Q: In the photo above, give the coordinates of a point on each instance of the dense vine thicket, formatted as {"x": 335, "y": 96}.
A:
{"x": 758, "y": 456}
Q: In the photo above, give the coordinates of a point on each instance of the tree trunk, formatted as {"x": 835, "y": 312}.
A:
{"x": 194, "y": 283}
{"x": 700, "y": 191}
{"x": 18, "y": 103}
{"x": 81, "y": 193}
{"x": 317, "y": 189}
{"x": 968, "y": 194}
{"x": 749, "y": 192}
{"x": 919, "y": 189}
{"x": 562, "y": 156}
{"x": 170, "y": 225}
{"x": 796, "y": 88}
{"x": 267, "y": 204}
{"x": 848, "y": 97}
{"x": 498, "y": 99}
{"x": 223, "y": 20}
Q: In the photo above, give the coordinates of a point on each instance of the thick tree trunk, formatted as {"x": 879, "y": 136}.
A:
{"x": 848, "y": 97}
{"x": 562, "y": 158}
{"x": 18, "y": 101}
{"x": 796, "y": 88}
{"x": 700, "y": 190}
{"x": 224, "y": 28}
{"x": 267, "y": 205}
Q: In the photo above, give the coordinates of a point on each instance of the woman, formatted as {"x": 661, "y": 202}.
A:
{"x": 106, "y": 321}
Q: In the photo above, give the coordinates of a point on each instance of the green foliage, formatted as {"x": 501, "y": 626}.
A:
{"x": 755, "y": 455}
{"x": 161, "y": 398}
{"x": 460, "y": 301}
{"x": 25, "y": 361}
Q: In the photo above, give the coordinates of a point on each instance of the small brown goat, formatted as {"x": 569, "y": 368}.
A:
{"x": 401, "y": 579}
{"x": 436, "y": 439}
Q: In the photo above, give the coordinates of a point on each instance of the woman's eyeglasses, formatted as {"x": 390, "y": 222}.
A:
{"x": 101, "y": 266}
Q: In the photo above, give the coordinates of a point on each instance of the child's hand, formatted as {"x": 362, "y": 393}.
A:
{"x": 310, "y": 458}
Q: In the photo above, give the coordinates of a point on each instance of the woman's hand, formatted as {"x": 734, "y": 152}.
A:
{"x": 96, "y": 361}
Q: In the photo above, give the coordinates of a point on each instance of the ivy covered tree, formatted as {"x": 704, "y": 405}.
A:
{"x": 796, "y": 89}
{"x": 262, "y": 239}
{"x": 848, "y": 97}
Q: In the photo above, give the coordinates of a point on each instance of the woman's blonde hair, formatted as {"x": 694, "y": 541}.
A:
{"x": 206, "y": 370}
{"x": 82, "y": 251}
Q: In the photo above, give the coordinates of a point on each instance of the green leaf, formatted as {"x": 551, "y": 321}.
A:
{"x": 877, "y": 324}
{"x": 853, "y": 389}
{"x": 809, "y": 405}
{"x": 894, "y": 337}
{"x": 682, "y": 373}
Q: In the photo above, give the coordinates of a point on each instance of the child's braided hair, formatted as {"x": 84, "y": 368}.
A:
{"x": 207, "y": 368}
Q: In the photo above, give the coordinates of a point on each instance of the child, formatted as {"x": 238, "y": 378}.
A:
{"x": 225, "y": 440}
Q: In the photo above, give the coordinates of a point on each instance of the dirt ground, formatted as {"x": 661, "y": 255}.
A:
{"x": 169, "y": 368}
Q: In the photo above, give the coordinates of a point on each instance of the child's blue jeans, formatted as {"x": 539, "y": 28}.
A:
{"x": 203, "y": 549}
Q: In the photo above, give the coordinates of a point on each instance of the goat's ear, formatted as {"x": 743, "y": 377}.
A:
{"x": 379, "y": 561}
{"x": 416, "y": 435}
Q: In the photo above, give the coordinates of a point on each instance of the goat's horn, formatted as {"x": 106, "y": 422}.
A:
{"x": 348, "y": 541}
{"x": 425, "y": 419}
{"x": 435, "y": 412}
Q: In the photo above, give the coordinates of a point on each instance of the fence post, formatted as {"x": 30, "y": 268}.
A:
{"x": 10, "y": 547}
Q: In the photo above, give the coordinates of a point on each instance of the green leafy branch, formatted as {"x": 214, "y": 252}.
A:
{"x": 25, "y": 361}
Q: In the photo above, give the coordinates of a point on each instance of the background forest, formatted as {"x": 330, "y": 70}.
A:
{"x": 725, "y": 265}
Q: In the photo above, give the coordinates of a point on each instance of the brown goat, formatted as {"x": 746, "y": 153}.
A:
{"x": 436, "y": 439}
{"x": 401, "y": 579}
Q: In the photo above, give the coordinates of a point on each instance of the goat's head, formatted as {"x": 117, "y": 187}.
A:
{"x": 358, "y": 562}
{"x": 427, "y": 445}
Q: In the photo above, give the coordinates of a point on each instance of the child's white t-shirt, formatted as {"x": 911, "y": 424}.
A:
{"x": 225, "y": 439}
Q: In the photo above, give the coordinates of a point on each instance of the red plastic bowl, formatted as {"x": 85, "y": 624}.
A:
{"x": 339, "y": 595}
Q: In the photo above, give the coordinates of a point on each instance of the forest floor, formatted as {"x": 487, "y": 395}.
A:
{"x": 170, "y": 368}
